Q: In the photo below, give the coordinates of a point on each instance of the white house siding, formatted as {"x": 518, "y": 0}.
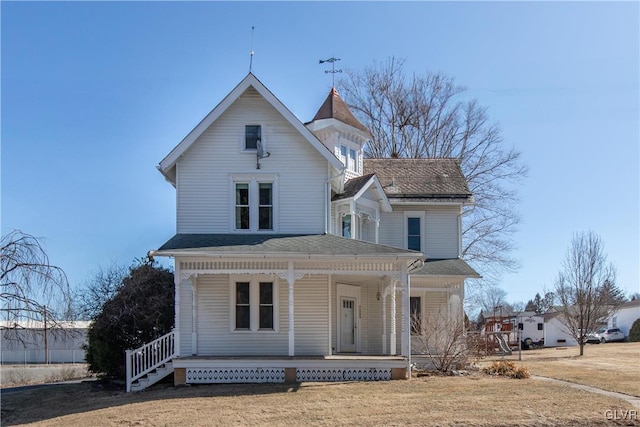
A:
{"x": 215, "y": 337}
{"x": 625, "y": 317}
{"x": 311, "y": 316}
{"x": 442, "y": 233}
{"x": 440, "y": 229}
{"x": 374, "y": 319}
{"x": 391, "y": 231}
{"x": 203, "y": 172}
{"x": 437, "y": 305}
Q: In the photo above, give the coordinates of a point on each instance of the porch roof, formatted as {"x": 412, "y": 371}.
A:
{"x": 274, "y": 244}
{"x": 445, "y": 267}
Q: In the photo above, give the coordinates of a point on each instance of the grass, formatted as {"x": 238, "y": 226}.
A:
{"x": 37, "y": 374}
{"x": 611, "y": 366}
{"x": 476, "y": 400}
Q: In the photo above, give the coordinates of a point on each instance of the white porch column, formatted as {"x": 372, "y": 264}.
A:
{"x": 406, "y": 318}
{"x": 177, "y": 279}
{"x": 194, "y": 313}
{"x": 330, "y": 303}
{"x": 392, "y": 333}
{"x": 290, "y": 280}
{"x": 377, "y": 228}
{"x": 384, "y": 322}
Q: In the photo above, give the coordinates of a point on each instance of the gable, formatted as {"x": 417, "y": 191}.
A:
{"x": 168, "y": 164}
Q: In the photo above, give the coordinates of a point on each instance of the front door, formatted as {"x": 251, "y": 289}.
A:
{"x": 348, "y": 324}
{"x": 348, "y": 312}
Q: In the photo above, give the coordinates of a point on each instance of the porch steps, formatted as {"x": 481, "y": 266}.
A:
{"x": 152, "y": 377}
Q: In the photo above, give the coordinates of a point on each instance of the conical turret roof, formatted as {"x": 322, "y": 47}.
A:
{"x": 335, "y": 108}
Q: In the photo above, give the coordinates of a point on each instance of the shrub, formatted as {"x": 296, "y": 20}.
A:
{"x": 140, "y": 311}
{"x": 634, "y": 332}
{"x": 507, "y": 368}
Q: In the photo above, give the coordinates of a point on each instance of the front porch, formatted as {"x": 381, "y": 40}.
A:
{"x": 247, "y": 369}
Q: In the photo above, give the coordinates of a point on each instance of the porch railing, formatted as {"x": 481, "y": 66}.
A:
{"x": 150, "y": 356}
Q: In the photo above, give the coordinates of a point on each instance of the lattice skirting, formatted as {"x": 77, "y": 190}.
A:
{"x": 370, "y": 374}
{"x": 253, "y": 375}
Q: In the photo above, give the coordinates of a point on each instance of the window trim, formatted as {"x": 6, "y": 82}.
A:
{"x": 254, "y": 181}
{"x": 242, "y": 141}
{"x": 423, "y": 227}
{"x": 254, "y": 303}
{"x": 343, "y": 152}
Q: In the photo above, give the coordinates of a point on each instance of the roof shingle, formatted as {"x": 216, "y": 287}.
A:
{"x": 308, "y": 244}
{"x": 419, "y": 178}
{"x": 335, "y": 108}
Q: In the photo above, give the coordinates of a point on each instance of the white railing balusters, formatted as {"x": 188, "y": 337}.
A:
{"x": 150, "y": 356}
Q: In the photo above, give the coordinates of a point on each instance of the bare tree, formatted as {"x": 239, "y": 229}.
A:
{"x": 101, "y": 287}
{"x": 585, "y": 287}
{"x": 31, "y": 289}
{"x": 423, "y": 116}
{"x": 443, "y": 339}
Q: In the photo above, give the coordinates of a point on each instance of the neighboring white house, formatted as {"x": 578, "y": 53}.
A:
{"x": 25, "y": 343}
{"x": 628, "y": 313}
{"x": 556, "y": 334}
{"x": 295, "y": 257}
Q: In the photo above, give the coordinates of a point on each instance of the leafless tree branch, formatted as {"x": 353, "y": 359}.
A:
{"x": 424, "y": 115}
{"x": 585, "y": 287}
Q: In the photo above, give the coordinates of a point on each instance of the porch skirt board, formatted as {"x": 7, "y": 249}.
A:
{"x": 235, "y": 375}
{"x": 277, "y": 375}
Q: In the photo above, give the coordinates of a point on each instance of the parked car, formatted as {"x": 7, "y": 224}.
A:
{"x": 606, "y": 335}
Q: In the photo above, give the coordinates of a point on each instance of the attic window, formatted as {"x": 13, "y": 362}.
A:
{"x": 252, "y": 133}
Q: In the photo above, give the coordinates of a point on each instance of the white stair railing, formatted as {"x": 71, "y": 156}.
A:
{"x": 145, "y": 359}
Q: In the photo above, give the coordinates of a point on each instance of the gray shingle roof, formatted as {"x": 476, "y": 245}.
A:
{"x": 419, "y": 178}
{"x": 310, "y": 244}
{"x": 352, "y": 186}
{"x": 445, "y": 267}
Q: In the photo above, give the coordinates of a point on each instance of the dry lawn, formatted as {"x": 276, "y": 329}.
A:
{"x": 611, "y": 366}
{"x": 477, "y": 400}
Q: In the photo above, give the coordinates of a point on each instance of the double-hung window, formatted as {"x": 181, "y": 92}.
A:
{"x": 254, "y": 203}
{"x": 265, "y": 207}
{"x": 243, "y": 306}
{"x": 255, "y": 305}
{"x": 416, "y": 314}
{"x": 347, "y": 226}
{"x": 252, "y": 134}
{"x": 343, "y": 154}
{"x": 414, "y": 233}
{"x": 352, "y": 165}
{"x": 242, "y": 215}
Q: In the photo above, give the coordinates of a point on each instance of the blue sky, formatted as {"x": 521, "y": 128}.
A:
{"x": 94, "y": 95}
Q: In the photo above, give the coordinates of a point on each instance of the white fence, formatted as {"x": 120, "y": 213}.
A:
{"x": 33, "y": 356}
